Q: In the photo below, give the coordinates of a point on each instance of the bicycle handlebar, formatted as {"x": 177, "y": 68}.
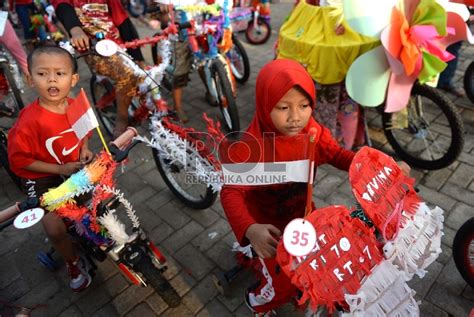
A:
{"x": 125, "y": 138}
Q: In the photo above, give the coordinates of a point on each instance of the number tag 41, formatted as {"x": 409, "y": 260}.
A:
{"x": 28, "y": 218}
{"x": 299, "y": 237}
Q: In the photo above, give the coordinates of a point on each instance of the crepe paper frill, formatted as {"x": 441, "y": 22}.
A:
{"x": 414, "y": 35}
{"x": 345, "y": 254}
{"x": 81, "y": 182}
{"x": 382, "y": 190}
{"x": 212, "y": 9}
{"x": 181, "y": 152}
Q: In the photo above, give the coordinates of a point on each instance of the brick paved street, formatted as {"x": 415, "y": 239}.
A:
{"x": 197, "y": 243}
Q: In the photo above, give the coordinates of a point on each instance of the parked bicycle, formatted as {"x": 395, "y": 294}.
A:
{"x": 180, "y": 153}
{"x": 253, "y": 20}
{"x": 11, "y": 85}
{"x": 103, "y": 228}
{"x": 428, "y": 133}
{"x": 469, "y": 82}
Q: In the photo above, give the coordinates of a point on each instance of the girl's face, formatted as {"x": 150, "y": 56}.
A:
{"x": 292, "y": 113}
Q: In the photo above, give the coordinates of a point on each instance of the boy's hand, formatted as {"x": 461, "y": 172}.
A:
{"x": 262, "y": 239}
{"x": 339, "y": 29}
{"x": 79, "y": 39}
{"x": 86, "y": 155}
{"x": 69, "y": 168}
{"x": 404, "y": 167}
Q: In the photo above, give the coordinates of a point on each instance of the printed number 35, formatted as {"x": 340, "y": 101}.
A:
{"x": 300, "y": 238}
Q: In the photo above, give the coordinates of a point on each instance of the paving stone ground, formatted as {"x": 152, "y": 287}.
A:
{"x": 183, "y": 234}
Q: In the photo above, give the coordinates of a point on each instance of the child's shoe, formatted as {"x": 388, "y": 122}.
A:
{"x": 78, "y": 274}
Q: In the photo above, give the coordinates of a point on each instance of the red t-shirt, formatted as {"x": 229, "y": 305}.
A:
{"x": 41, "y": 135}
{"x": 98, "y": 16}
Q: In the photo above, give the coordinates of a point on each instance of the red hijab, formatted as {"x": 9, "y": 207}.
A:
{"x": 274, "y": 80}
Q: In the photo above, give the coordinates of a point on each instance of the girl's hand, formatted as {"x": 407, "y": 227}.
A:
{"x": 404, "y": 167}
{"x": 262, "y": 239}
{"x": 79, "y": 39}
{"x": 339, "y": 29}
{"x": 86, "y": 155}
{"x": 69, "y": 168}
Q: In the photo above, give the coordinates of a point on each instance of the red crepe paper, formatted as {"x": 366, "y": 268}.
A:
{"x": 346, "y": 251}
{"x": 382, "y": 190}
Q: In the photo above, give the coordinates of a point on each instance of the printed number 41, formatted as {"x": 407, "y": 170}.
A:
{"x": 29, "y": 218}
{"x": 300, "y": 238}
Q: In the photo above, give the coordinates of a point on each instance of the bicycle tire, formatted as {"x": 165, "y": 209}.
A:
{"x": 239, "y": 49}
{"x": 469, "y": 82}
{"x": 223, "y": 87}
{"x": 249, "y": 32}
{"x": 4, "y": 161}
{"x": 107, "y": 115}
{"x": 13, "y": 87}
{"x": 463, "y": 240}
{"x": 202, "y": 201}
{"x": 155, "y": 279}
{"x": 455, "y": 125}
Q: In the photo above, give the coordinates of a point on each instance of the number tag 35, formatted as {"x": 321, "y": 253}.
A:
{"x": 28, "y": 218}
{"x": 299, "y": 237}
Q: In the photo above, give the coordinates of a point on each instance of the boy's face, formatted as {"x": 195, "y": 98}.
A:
{"x": 52, "y": 77}
{"x": 292, "y": 113}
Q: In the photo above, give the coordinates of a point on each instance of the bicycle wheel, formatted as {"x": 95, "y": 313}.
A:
{"x": 463, "y": 251}
{"x": 4, "y": 160}
{"x": 14, "y": 92}
{"x": 429, "y": 134}
{"x": 258, "y": 34}
{"x": 103, "y": 96}
{"x": 193, "y": 192}
{"x": 155, "y": 279}
{"x": 239, "y": 61}
{"x": 222, "y": 86}
{"x": 469, "y": 81}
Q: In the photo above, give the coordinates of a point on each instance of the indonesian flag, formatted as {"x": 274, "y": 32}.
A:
{"x": 80, "y": 115}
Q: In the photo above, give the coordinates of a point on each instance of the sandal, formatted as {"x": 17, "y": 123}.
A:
{"x": 458, "y": 92}
{"x": 182, "y": 116}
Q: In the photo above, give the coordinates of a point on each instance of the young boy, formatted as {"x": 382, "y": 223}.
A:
{"x": 42, "y": 146}
{"x": 83, "y": 19}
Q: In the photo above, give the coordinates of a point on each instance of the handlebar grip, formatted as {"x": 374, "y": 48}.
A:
{"x": 125, "y": 138}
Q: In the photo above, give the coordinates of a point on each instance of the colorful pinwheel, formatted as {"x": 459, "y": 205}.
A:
{"x": 414, "y": 35}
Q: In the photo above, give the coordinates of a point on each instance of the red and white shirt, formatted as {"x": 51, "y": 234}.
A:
{"x": 41, "y": 135}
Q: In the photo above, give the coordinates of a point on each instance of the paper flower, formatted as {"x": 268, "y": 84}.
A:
{"x": 414, "y": 35}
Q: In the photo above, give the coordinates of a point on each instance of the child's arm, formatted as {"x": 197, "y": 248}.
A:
{"x": 86, "y": 155}
{"x": 8, "y": 213}
{"x": 262, "y": 237}
{"x": 68, "y": 17}
{"x": 64, "y": 169}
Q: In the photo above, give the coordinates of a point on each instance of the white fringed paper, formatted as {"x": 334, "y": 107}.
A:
{"x": 247, "y": 250}
{"x": 418, "y": 243}
{"x": 383, "y": 293}
{"x": 178, "y": 151}
{"x": 114, "y": 227}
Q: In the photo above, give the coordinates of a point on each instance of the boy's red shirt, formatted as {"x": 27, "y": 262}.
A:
{"x": 41, "y": 135}
{"x": 98, "y": 16}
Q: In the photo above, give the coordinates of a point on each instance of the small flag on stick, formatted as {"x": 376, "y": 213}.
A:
{"x": 80, "y": 115}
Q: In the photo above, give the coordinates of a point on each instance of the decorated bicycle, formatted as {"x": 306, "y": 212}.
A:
{"x": 102, "y": 220}
{"x": 178, "y": 151}
{"x": 214, "y": 55}
{"x": 253, "y": 17}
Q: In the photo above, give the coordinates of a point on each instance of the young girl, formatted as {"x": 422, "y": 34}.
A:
{"x": 285, "y": 100}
